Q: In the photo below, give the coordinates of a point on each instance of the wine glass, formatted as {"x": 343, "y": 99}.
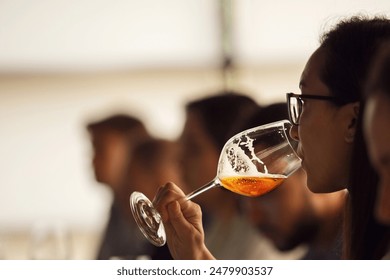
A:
{"x": 251, "y": 163}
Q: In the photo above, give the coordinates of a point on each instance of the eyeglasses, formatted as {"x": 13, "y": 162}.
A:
{"x": 295, "y": 104}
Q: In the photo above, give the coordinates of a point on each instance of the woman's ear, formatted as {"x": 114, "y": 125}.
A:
{"x": 352, "y": 114}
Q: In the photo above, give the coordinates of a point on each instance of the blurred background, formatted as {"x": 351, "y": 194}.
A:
{"x": 65, "y": 63}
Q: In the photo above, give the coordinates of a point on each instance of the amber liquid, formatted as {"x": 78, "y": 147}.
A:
{"x": 251, "y": 186}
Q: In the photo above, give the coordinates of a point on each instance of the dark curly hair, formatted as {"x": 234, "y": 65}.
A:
{"x": 222, "y": 111}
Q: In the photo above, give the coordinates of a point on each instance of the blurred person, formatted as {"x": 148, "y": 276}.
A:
{"x": 377, "y": 129}
{"x": 291, "y": 216}
{"x": 114, "y": 139}
{"x": 208, "y": 126}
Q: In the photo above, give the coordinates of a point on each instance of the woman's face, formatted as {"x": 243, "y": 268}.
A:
{"x": 376, "y": 129}
{"x": 325, "y": 133}
{"x": 110, "y": 157}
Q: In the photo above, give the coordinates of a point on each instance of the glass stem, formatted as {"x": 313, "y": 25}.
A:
{"x": 214, "y": 183}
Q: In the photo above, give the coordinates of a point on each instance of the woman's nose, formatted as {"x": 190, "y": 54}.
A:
{"x": 294, "y": 132}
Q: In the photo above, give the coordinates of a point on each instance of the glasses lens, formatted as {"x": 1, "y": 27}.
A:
{"x": 294, "y": 109}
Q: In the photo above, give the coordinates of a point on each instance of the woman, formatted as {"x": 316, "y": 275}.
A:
{"x": 328, "y": 126}
{"x": 327, "y": 118}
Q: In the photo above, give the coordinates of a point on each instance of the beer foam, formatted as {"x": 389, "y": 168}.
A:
{"x": 235, "y": 161}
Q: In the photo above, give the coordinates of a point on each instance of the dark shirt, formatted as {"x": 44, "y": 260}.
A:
{"x": 334, "y": 252}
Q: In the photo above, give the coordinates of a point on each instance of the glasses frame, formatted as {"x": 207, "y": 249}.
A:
{"x": 295, "y": 114}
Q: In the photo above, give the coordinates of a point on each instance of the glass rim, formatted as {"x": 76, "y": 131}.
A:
{"x": 282, "y": 123}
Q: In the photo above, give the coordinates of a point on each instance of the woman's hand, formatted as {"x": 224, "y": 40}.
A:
{"x": 183, "y": 223}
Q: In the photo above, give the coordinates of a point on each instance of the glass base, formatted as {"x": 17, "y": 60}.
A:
{"x": 147, "y": 218}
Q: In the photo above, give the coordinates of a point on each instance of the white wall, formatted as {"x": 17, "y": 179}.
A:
{"x": 68, "y": 35}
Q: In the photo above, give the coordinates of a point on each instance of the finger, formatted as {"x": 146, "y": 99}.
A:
{"x": 159, "y": 190}
{"x": 162, "y": 192}
{"x": 181, "y": 223}
{"x": 170, "y": 192}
